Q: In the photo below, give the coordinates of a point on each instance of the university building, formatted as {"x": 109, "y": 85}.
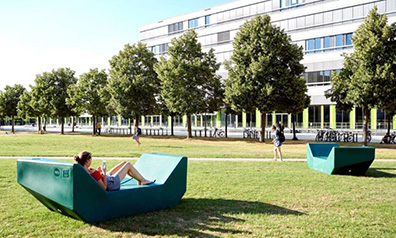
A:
{"x": 323, "y": 28}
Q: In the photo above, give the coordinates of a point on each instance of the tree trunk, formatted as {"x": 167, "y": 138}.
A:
{"x": 73, "y": 124}
{"x": 225, "y": 121}
{"x": 172, "y": 125}
{"x": 263, "y": 124}
{"x": 62, "y": 125}
{"x": 45, "y": 124}
{"x": 365, "y": 125}
{"x": 93, "y": 125}
{"x": 137, "y": 120}
{"x": 189, "y": 134}
{"x": 13, "y": 124}
{"x": 204, "y": 120}
{"x": 389, "y": 124}
{"x": 294, "y": 127}
{"x": 39, "y": 124}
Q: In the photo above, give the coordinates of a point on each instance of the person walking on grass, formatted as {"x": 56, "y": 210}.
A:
{"x": 136, "y": 135}
{"x": 277, "y": 140}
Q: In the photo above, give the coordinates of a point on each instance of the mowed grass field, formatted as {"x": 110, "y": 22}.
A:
{"x": 230, "y": 199}
{"x": 223, "y": 198}
{"x": 123, "y": 146}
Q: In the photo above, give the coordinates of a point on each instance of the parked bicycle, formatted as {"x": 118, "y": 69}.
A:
{"x": 250, "y": 133}
{"x": 218, "y": 133}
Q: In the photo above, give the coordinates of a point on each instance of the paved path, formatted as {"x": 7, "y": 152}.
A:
{"x": 192, "y": 159}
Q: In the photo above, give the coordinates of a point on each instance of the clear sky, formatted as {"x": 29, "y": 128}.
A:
{"x": 40, "y": 35}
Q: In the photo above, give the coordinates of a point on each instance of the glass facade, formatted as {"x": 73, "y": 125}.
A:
{"x": 318, "y": 77}
{"x": 328, "y": 43}
{"x": 193, "y": 23}
{"x": 175, "y": 28}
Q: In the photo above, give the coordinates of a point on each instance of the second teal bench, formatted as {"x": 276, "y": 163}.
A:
{"x": 330, "y": 158}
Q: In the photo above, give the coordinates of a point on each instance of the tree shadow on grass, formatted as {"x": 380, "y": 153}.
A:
{"x": 196, "y": 218}
{"x": 377, "y": 173}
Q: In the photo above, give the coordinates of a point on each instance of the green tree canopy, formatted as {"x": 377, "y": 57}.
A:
{"x": 26, "y": 109}
{"x": 90, "y": 95}
{"x": 294, "y": 98}
{"x": 133, "y": 84}
{"x": 189, "y": 83}
{"x": 9, "y": 101}
{"x": 50, "y": 93}
{"x": 263, "y": 62}
{"x": 367, "y": 79}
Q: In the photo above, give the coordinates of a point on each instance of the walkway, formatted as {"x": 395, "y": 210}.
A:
{"x": 191, "y": 159}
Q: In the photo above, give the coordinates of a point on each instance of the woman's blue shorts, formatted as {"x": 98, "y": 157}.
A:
{"x": 113, "y": 182}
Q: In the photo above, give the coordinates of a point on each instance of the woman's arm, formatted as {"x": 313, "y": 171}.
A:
{"x": 103, "y": 181}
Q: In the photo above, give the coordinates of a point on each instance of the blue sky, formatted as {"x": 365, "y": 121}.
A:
{"x": 41, "y": 35}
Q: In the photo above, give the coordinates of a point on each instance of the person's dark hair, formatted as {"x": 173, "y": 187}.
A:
{"x": 273, "y": 127}
{"x": 82, "y": 157}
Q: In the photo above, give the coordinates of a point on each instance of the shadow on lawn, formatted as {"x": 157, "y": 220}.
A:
{"x": 377, "y": 173}
{"x": 196, "y": 218}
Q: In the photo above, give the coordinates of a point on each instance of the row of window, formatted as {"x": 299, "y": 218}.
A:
{"x": 159, "y": 49}
{"x": 176, "y": 27}
{"x": 334, "y": 16}
{"x": 328, "y": 43}
{"x": 289, "y": 3}
{"x": 318, "y": 77}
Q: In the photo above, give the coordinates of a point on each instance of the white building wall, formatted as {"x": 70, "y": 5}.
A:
{"x": 309, "y": 20}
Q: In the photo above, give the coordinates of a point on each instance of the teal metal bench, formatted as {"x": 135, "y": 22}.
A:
{"x": 69, "y": 189}
{"x": 330, "y": 158}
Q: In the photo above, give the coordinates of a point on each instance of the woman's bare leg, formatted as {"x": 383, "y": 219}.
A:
{"x": 116, "y": 168}
{"x": 128, "y": 168}
{"x": 280, "y": 153}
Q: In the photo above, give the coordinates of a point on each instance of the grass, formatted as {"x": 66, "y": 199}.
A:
{"x": 124, "y": 146}
{"x": 230, "y": 199}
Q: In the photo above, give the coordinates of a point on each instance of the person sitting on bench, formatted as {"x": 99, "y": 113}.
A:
{"x": 386, "y": 139}
{"x": 112, "y": 180}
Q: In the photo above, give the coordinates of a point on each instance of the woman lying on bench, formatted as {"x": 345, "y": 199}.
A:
{"x": 112, "y": 180}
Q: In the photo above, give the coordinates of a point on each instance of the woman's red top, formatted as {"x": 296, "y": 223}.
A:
{"x": 97, "y": 176}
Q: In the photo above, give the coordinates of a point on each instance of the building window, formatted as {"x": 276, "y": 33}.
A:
{"x": 309, "y": 45}
{"x": 160, "y": 49}
{"x": 328, "y": 43}
{"x": 318, "y": 44}
{"x": 207, "y": 20}
{"x": 176, "y": 27}
{"x": 318, "y": 77}
{"x": 193, "y": 23}
{"x": 290, "y": 3}
{"x": 223, "y": 36}
{"x": 339, "y": 40}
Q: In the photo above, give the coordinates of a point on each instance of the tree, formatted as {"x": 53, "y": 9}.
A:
{"x": 88, "y": 95}
{"x": 25, "y": 108}
{"x": 9, "y": 101}
{"x": 41, "y": 97}
{"x": 133, "y": 84}
{"x": 189, "y": 83}
{"x": 294, "y": 99}
{"x": 264, "y": 59}
{"x": 367, "y": 79}
{"x": 50, "y": 93}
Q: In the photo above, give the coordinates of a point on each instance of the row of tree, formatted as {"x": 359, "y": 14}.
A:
{"x": 264, "y": 74}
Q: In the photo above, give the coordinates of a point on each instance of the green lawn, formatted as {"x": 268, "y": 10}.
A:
{"x": 124, "y": 146}
{"x": 230, "y": 199}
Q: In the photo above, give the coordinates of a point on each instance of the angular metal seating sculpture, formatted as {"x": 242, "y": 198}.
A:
{"x": 330, "y": 158}
{"x": 69, "y": 189}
